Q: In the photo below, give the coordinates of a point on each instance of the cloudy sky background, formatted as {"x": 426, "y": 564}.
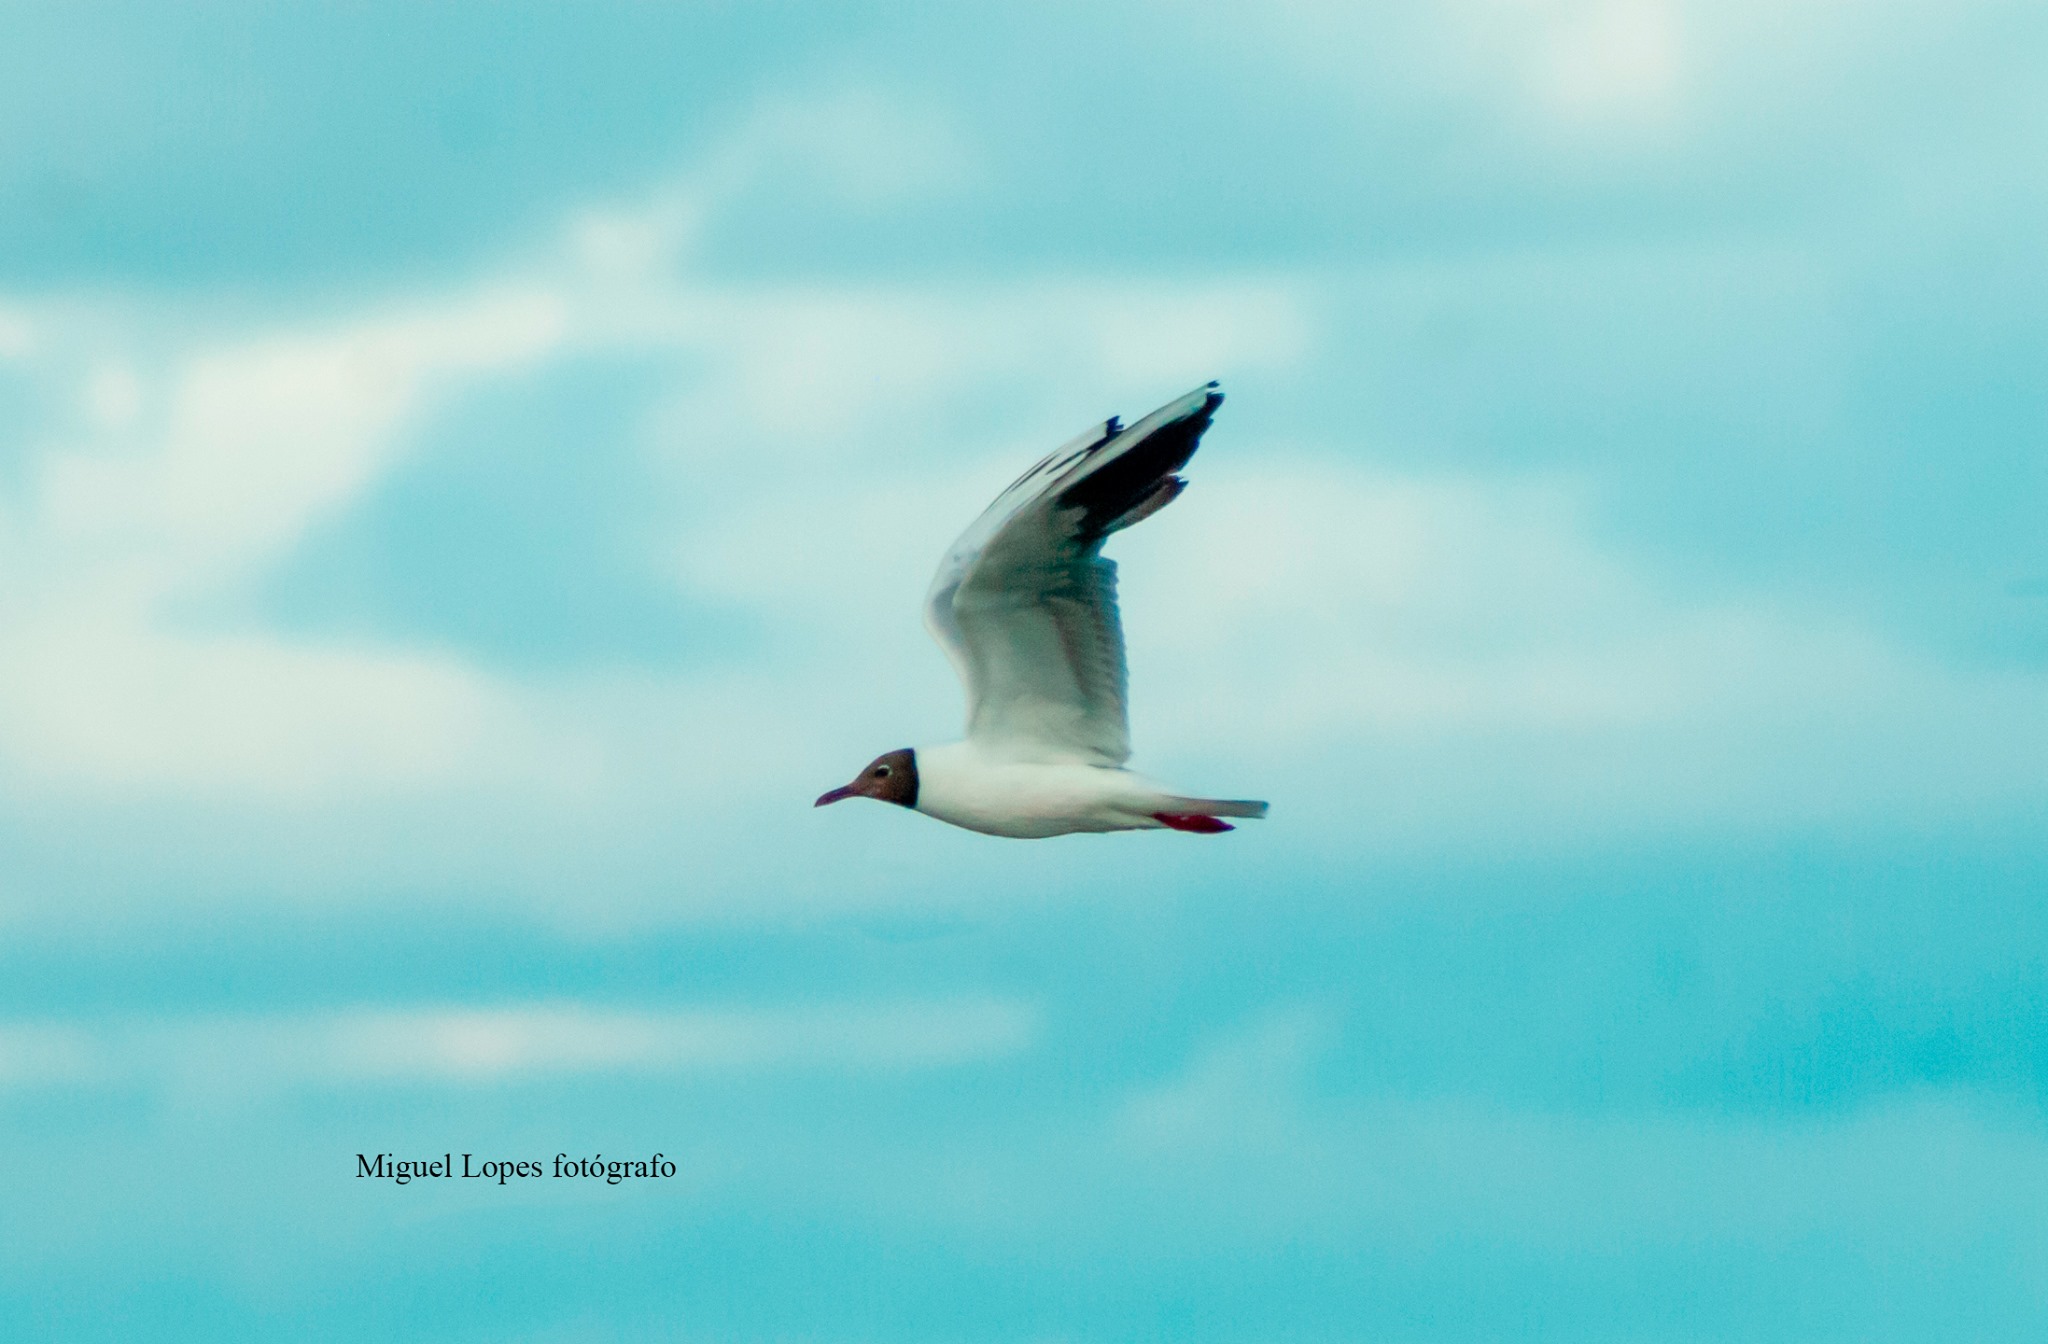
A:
{"x": 466, "y": 480}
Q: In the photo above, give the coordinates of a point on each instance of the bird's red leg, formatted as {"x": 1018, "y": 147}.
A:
{"x": 1190, "y": 821}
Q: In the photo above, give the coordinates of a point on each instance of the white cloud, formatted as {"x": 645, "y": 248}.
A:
{"x": 119, "y": 706}
{"x": 113, "y": 396}
{"x": 1451, "y": 653}
{"x": 1583, "y": 64}
{"x": 1814, "y": 81}
{"x": 252, "y": 441}
{"x": 222, "y": 1061}
{"x": 17, "y": 332}
{"x": 856, "y": 148}
{"x": 1561, "y": 67}
{"x": 559, "y": 1038}
{"x": 262, "y": 436}
{"x": 1609, "y": 59}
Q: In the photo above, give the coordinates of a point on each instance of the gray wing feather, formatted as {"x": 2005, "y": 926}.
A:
{"x": 1025, "y": 605}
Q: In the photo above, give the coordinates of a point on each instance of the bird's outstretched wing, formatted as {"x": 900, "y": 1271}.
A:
{"x": 1025, "y": 605}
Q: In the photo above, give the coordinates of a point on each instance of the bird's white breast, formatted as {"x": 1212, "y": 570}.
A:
{"x": 964, "y": 785}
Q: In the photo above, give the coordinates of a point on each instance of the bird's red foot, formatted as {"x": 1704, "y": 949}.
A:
{"x": 1189, "y": 821}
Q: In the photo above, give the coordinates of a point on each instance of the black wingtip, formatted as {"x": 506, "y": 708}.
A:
{"x": 1122, "y": 491}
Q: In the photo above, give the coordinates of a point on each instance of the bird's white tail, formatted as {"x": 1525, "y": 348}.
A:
{"x": 1200, "y": 815}
{"x": 1204, "y": 809}
{"x": 1219, "y": 807}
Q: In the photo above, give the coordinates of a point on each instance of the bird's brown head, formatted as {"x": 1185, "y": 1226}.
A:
{"x": 891, "y": 777}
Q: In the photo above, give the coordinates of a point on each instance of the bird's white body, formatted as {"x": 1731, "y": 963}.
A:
{"x": 1029, "y": 800}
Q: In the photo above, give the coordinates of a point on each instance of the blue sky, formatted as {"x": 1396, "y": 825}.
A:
{"x": 466, "y": 480}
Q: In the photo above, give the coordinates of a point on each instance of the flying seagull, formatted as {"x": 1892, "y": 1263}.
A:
{"x": 1025, "y": 606}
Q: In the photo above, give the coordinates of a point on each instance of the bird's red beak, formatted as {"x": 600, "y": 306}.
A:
{"x": 844, "y": 791}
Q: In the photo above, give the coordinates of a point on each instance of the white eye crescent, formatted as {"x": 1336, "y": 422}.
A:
{"x": 881, "y": 772}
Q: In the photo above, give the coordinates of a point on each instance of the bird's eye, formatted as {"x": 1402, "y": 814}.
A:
{"x": 881, "y": 772}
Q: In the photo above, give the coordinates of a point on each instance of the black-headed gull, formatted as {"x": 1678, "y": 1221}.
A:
{"x": 1025, "y": 606}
